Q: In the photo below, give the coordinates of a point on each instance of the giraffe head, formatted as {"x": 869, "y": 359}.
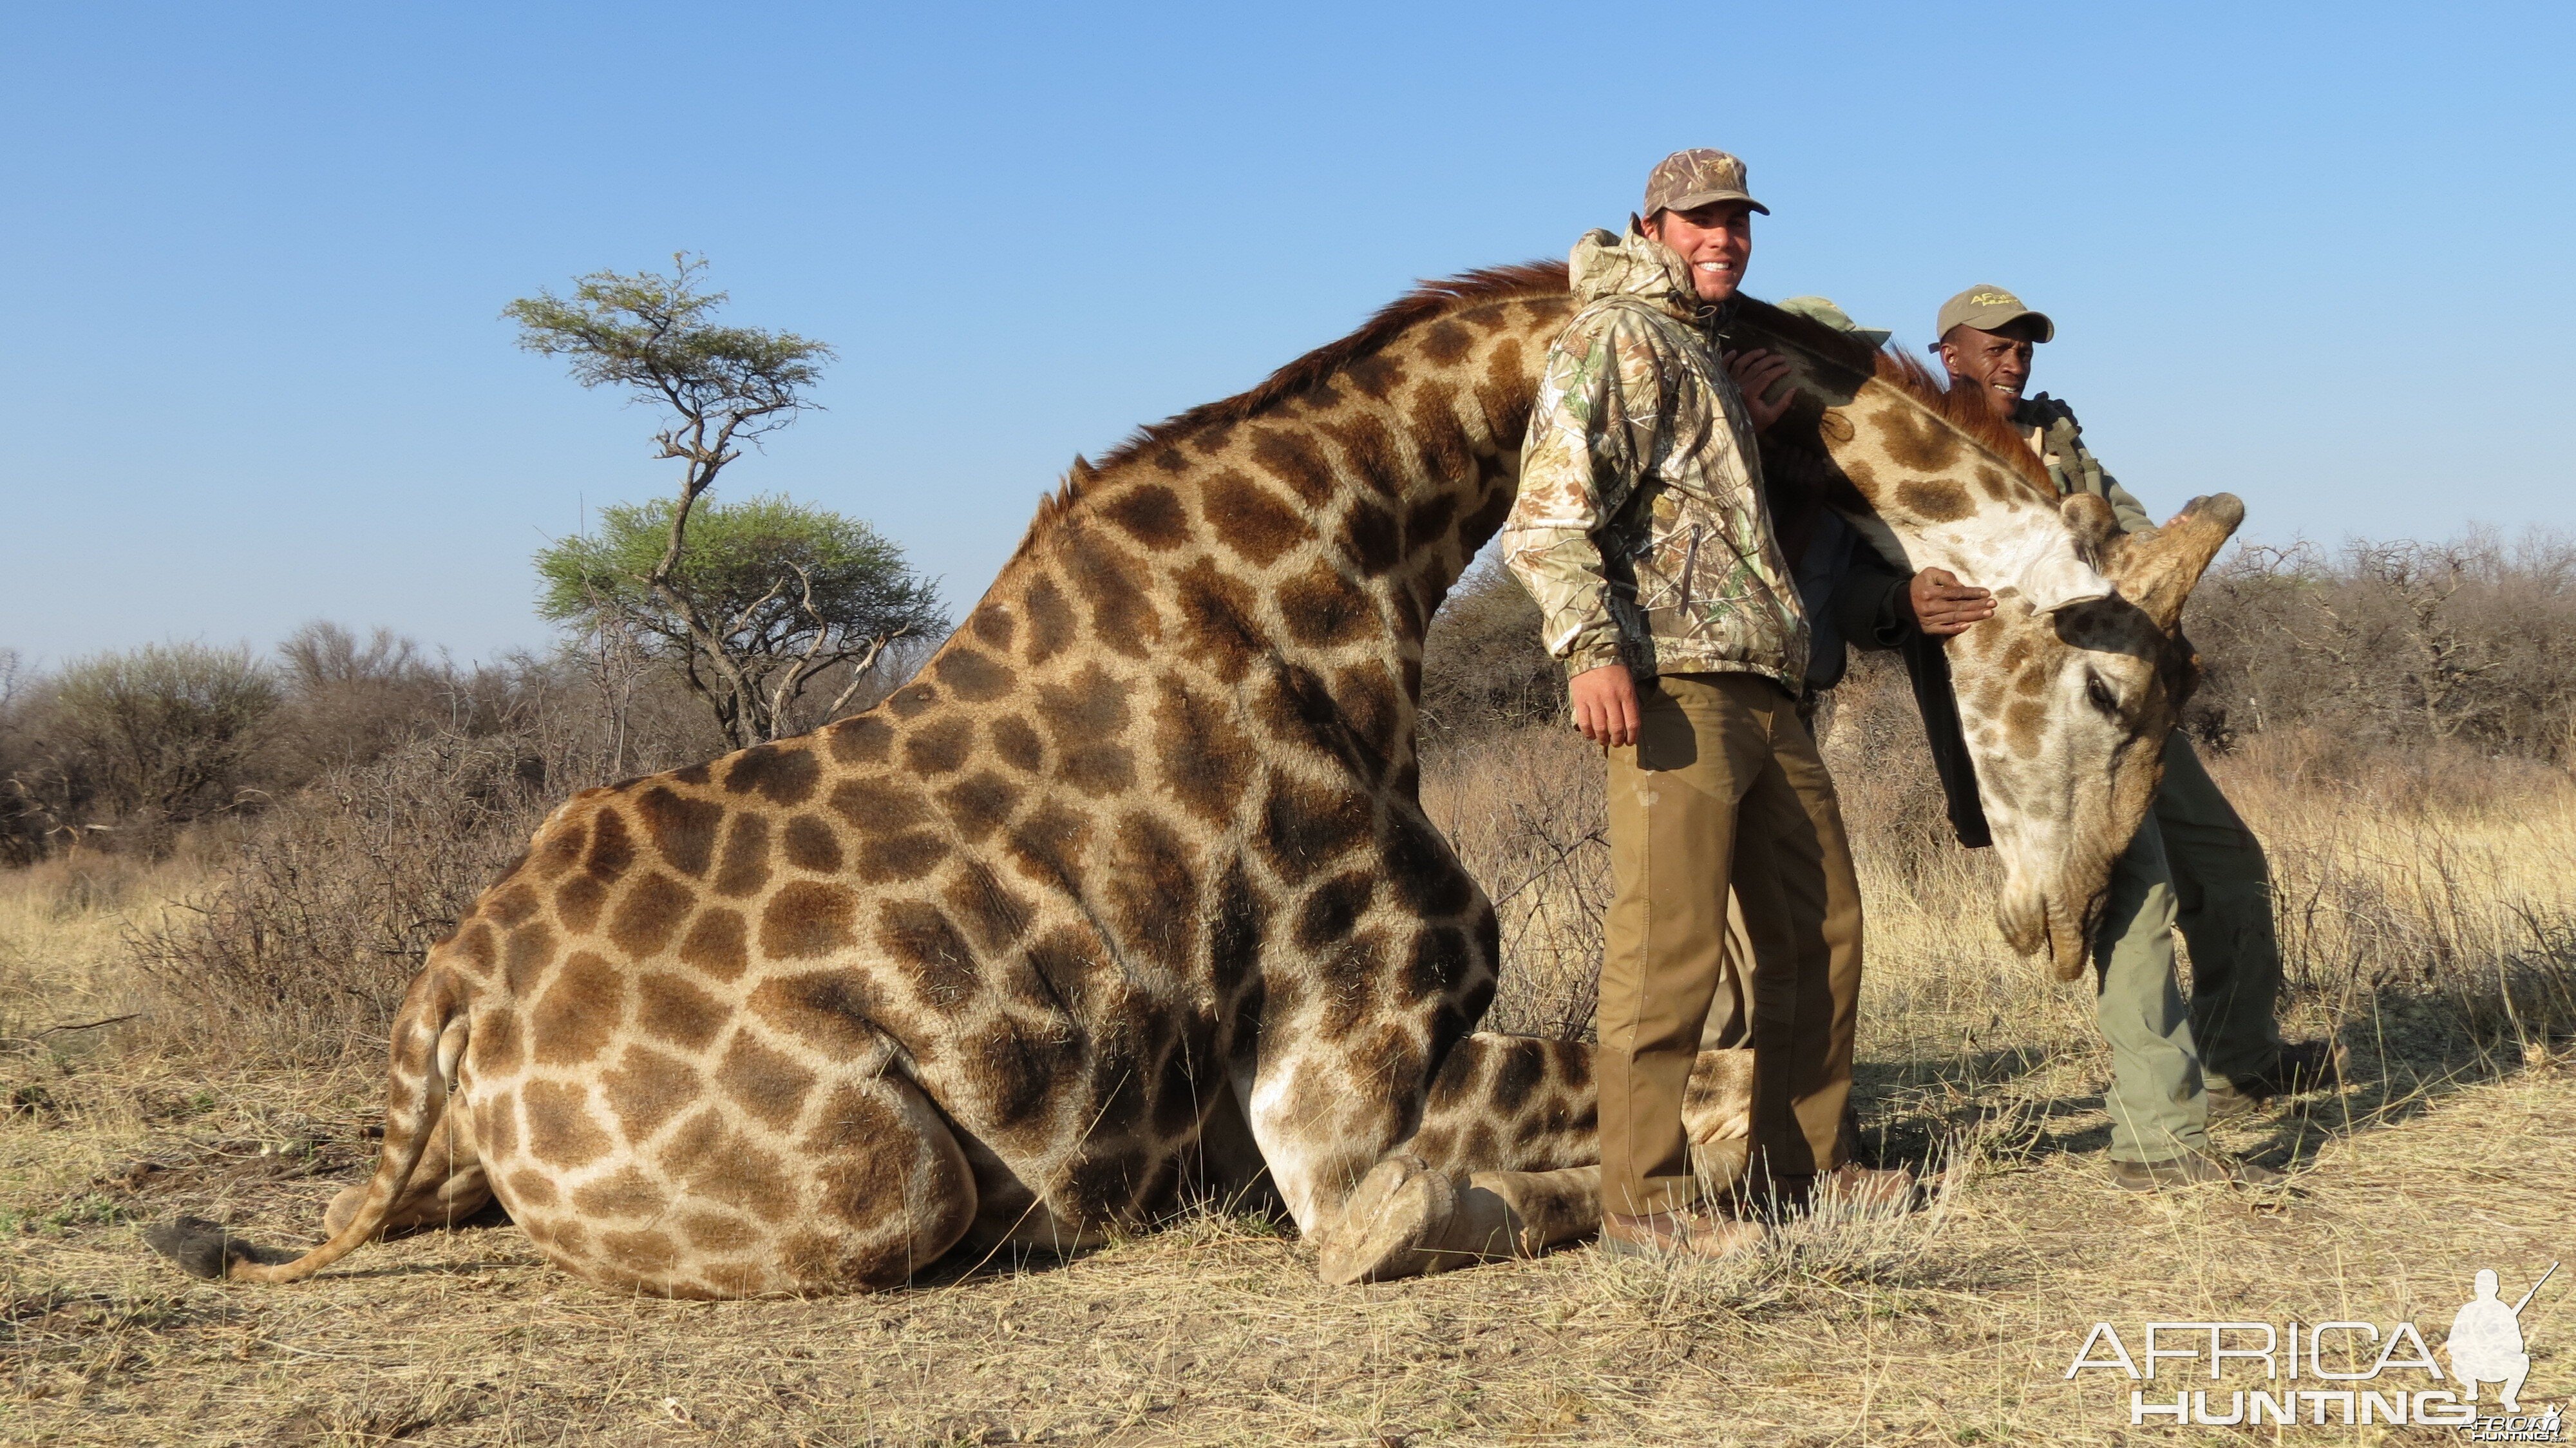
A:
{"x": 2068, "y": 692}
{"x": 2067, "y": 711}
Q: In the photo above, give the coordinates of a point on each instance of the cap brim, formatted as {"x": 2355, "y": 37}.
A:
{"x": 1874, "y": 336}
{"x": 1995, "y": 319}
{"x": 1698, "y": 199}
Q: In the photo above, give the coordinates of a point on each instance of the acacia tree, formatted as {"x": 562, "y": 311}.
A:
{"x": 788, "y": 591}
{"x": 749, "y": 655}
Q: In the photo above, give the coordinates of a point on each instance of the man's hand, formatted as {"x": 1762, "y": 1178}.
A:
{"x": 1756, "y": 373}
{"x": 1604, "y": 701}
{"x": 1942, "y": 605}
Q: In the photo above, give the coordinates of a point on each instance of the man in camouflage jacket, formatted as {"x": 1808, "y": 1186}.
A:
{"x": 1642, "y": 531}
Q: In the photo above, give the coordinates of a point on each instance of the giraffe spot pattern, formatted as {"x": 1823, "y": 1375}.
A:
{"x": 782, "y": 775}
{"x": 717, "y": 944}
{"x": 807, "y": 919}
{"x": 683, "y": 830}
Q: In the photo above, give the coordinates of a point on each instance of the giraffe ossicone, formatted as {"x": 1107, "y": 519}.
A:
{"x": 1128, "y": 891}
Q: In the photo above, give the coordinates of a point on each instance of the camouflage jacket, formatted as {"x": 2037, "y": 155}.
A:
{"x": 1641, "y": 526}
{"x": 2059, "y": 440}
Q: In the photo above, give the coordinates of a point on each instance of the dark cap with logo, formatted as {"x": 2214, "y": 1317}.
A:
{"x": 1989, "y": 309}
{"x": 1688, "y": 179}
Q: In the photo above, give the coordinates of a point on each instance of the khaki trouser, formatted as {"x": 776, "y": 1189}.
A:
{"x": 2193, "y": 863}
{"x": 1724, "y": 787}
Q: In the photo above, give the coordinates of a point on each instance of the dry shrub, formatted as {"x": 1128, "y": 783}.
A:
{"x": 300, "y": 949}
{"x": 1524, "y": 810}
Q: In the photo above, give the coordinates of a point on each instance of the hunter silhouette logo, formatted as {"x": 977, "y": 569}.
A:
{"x": 2486, "y": 1341}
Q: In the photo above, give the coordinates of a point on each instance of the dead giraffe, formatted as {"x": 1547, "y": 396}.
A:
{"x": 1134, "y": 866}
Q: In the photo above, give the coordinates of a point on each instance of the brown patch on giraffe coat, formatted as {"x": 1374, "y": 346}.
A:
{"x": 1333, "y": 907}
{"x": 746, "y": 855}
{"x": 474, "y": 941}
{"x": 910, "y": 700}
{"x": 673, "y": 1010}
{"x": 766, "y": 1082}
{"x": 1304, "y": 827}
{"x": 2023, "y": 723}
{"x": 807, "y": 919}
{"x": 1296, "y": 460}
{"x": 991, "y": 915}
{"x": 645, "y": 1253}
{"x": 527, "y": 958}
{"x": 1150, "y": 888}
{"x": 1936, "y": 502}
{"x": 920, "y": 940}
{"x": 580, "y": 1012}
{"x": 1445, "y": 341}
{"x": 939, "y": 746}
{"x": 1370, "y": 704}
{"x": 716, "y": 944}
{"x": 496, "y": 1123}
{"x": 627, "y": 1192}
{"x": 1372, "y": 537}
{"x": 784, "y": 775}
{"x": 559, "y": 847}
{"x": 510, "y": 906}
{"x": 971, "y": 674}
{"x": 879, "y": 806}
{"x": 529, "y": 1187}
{"x": 980, "y": 804}
{"x": 896, "y": 858}
{"x": 577, "y": 902}
{"x": 1085, "y": 717}
{"x": 726, "y": 1233}
{"x": 1204, "y": 756}
{"x": 647, "y": 912}
{"x": 647, "y": 1088}
{"x": 1916, "y": 440}
{"x": 1252, "y": 520}
{"x": 1431, "y": 420}
{"x": 1051, "y": 627}
{"x": 695, "y": 774}
{"x": 561, "y": 1132}
{"x": 612, "y": 849}
{"x": 835, "y": 1011}
{"x": 1123, "y": 616}
{"x": 1151, "y": 514}
{"x": 1323, "y": 609}
{"x": 862, "y": 740}
{"x": 1016, "y": 743}
{"x": 682, "y": 829}
{"x": 1217, "y": 613}
{"x": 1374, "y": 377}
{"x": 993, "y": 624}
{"x": 811, "y": 844}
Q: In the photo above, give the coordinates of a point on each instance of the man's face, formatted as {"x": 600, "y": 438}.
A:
{"x": 1998, "y": 362}
{"x": 1716, "y": 240}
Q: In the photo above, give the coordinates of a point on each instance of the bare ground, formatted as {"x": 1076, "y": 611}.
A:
{"x": 1954, "y": 1324}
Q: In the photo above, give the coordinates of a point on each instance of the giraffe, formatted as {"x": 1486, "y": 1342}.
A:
{"x": 1130, "y": 882}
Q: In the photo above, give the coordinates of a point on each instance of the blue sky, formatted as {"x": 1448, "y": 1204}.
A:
{"x": 256, "y": 254}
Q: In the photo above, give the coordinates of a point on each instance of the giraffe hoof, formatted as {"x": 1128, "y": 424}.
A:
{"x": 1398, "y": 1210}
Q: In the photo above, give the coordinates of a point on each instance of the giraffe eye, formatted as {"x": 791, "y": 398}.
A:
{"x": 2095, "y": 691}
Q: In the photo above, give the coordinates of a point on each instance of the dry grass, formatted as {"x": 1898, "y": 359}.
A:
{"x": 2430, "y": 921}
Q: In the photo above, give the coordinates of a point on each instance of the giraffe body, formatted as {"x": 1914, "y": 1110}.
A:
{"x": 1133, "y": 868}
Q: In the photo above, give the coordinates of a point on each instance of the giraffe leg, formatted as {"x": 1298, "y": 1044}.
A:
{"x": 447, "y": 1187}
{"x": 1506, "y": 1162}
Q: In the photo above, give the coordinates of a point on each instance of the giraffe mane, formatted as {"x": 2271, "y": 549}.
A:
{"x": 1960, "y": 407}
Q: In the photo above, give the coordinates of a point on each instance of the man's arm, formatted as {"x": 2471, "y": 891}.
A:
{"x": 2128, "y": 511}
{"x": 1578, "y": 464}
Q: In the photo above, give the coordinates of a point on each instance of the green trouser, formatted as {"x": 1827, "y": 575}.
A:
{"x": 2194, "y": 862}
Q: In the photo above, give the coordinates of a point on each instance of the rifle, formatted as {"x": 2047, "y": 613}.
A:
{"x": 2535, "y": 1289}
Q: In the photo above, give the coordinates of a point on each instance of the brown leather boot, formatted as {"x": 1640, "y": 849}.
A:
{"x": 1692, "y": 1232}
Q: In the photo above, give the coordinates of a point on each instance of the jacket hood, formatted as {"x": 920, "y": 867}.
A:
{"x": 1604, "y": 264}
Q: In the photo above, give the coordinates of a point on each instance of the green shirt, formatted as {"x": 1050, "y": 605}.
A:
{"x": 2058, "y": 438}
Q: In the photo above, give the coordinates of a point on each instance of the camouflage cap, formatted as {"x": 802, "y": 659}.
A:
{"x": 1822, "y": 309}
{"x": 1989, "y": 309}
{"x": 1686, "y": 179}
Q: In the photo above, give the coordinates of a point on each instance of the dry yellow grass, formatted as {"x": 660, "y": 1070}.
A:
{"x": 2415, "y": 905}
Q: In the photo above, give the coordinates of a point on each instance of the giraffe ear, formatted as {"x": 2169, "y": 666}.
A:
{"x": 2158, "y": 571}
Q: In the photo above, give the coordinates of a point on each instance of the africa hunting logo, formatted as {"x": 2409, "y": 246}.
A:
{"x": 2486, "y": 1349}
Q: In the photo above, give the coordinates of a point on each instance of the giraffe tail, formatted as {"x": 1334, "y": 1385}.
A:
{"x": 428, "y": 1042}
